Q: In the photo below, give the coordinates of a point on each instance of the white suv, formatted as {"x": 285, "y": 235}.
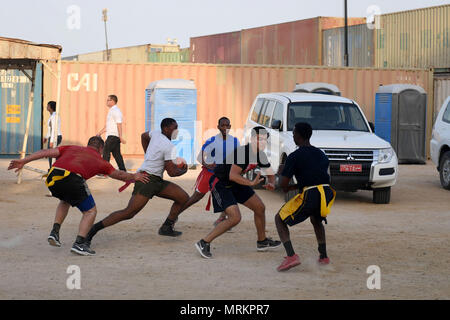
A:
{"x": 440, "y": 144}
{"x": 359, "y": 160}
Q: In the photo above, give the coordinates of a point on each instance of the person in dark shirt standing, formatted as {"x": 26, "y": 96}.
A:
{"x": 229, "y": 187}
{"x": 309, "y": 165}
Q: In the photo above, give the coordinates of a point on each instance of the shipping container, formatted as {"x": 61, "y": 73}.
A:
{"x": 441, "y": 92}
{"x": 360, "y": 46}
{"x": 164, "y": 57}
{"x": 217, "y": 48}
{"x": 15, "y": 90}
{"x": 413, "y": 39}
{"x": 222, "y": 90}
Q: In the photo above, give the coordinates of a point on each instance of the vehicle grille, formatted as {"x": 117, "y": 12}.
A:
{"x": 341, "y": 156}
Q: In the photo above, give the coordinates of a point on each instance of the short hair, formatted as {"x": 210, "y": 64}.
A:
{"x": 259, "y": 130}
{"x": 52, "y": 105}
{"x": 96, "y": 142}
{"x": 167, "y": 122}
{"x": 223, "y": 118}
{"x": 304, "y": 129}
{"x": 113, "y": 97}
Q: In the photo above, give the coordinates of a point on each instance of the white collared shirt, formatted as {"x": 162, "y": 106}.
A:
{"x": 112, "y": 119}
{"x": 50, "y": 123}
{"x": 159, "y": 150}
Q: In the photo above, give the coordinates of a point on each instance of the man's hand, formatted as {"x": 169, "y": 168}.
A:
{"x": 257, "y": 180}
{"x": 122, "y": 140}
{"x": 142, "y": 177}
{"x": 51, "y": 145}
{"x": 16, "y": 164}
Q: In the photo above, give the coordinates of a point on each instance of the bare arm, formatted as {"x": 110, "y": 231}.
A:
{"x": 235, "y": 176}
{"x": 173, "y": 170}
{"x": 284, "y": 184}
{"x": 145, "y": 140}
{"x": 46, "y": 153}
{"x": 119, "y": 130}
{"x": 125, "y": 176}
{"x": 102, "y": 131}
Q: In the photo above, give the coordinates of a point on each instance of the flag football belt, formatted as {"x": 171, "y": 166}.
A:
{"x": 60, "y": 177}
{"x": 296, "y": 202}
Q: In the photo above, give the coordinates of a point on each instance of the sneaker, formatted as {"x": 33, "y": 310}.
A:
{"x": 204, "y": 249}
{"x": 267, "y": 244}
{"x": 167, "y": 230}
{"x": 289, "y": 262}
{"x": 324, "y": 260}
{"x": 82, "y": 249}
{"x": 53, "y": 239}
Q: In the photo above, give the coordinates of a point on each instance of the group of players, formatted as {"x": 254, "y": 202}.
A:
{"x": 224, "y": 162}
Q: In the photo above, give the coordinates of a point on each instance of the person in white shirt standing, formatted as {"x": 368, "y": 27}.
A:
{"x": 113, "y": 129}
{"x": 50, "y": 137}
{"x": 160, "y": 156}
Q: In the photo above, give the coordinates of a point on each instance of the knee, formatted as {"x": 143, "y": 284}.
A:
{"x": 260, "y": 209}
{"x": 235, "y": 219}
{"x": 278, "y": 219}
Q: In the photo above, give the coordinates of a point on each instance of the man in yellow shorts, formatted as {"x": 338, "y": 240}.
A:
{"x": 309, "y": 165}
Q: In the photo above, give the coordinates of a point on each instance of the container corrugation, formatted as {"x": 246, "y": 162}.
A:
{"x": 223, "y": 90}
{"x": 164, "y": 57}
{"x": 15, "y": 90}
{"x": 216, "y": 48}
{"x": 441, "y": 92}
{"x": 414, "y": 39}
{"x": 360, "y": 46}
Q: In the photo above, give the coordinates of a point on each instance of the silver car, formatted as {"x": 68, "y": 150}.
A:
{"x": 440, "y": 144}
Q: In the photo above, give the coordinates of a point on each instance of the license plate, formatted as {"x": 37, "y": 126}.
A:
{"x": 351, "y": 168}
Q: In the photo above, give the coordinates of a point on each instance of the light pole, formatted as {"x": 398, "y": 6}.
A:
{"x": 105, "y": 18}
{"x": 346, "y": 35}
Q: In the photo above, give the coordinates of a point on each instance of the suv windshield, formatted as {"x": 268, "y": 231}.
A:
{"x": 326, "y": 116}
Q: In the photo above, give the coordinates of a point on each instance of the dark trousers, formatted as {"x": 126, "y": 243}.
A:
{"x": 58, "y": 142}
{"x": 112, "y": 144}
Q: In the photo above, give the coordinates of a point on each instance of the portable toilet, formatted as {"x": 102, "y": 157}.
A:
{"x": 177, "y": 99}
{"x": 318, "y": 87}
{"x": 400, "y": 119}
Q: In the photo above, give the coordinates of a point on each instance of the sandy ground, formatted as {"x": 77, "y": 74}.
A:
{"x": 408, "y": 239}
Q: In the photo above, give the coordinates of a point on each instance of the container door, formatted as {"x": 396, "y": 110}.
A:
{"x": 411, "y": 126}
{"x": 15, "y": 90}
{"x": 383, "y": 115}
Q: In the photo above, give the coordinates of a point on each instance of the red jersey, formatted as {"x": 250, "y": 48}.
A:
{"x": 85, "y": 161}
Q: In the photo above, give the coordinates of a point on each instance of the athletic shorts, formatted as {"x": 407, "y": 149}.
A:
{"x": 303, "y": 206}
{"x": 71, "y": 188}
{"x": 225, "y": 196}
{"x": 202, "y": 183}
{"x": 151, "y": 188}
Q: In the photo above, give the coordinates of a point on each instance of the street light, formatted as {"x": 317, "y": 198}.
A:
{"x": 105, "y": 18}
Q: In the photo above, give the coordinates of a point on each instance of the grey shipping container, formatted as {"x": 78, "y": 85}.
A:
{"x": 360, "y": 46}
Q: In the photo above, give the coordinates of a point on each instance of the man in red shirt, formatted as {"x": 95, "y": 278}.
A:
{"x": 66, "y": 181}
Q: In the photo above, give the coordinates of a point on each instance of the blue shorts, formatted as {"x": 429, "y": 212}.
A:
{"x": 225, "y": 196}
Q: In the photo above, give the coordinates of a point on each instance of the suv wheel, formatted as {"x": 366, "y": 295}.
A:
{"x": 382, "y": 195}
{"x": 444, "y": 172}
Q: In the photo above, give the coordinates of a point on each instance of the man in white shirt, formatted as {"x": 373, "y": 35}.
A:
{"x": 52, "y": 122}
{"x": 160, "y": 156}
{"x": 113, "y": 129}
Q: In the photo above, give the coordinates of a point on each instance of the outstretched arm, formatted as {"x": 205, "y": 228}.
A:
{"x": 125, "y": 176}
{"x": 46, "y": 153}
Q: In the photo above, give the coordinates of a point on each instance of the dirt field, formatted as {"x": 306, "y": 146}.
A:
{"x": 408, "y": 239}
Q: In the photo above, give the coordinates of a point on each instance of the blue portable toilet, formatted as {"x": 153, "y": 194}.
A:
{"x": 400, "y": 119}
{"x": 177, "y": 99}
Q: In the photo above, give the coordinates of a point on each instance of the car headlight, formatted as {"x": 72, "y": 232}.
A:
{"x": 385, "y": 155}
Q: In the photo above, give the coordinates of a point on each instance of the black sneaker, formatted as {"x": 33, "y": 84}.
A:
{"x": 167, "y": 230}
{"x": 82, "y": 249}
{"x": 204, "y": 249}
{"x": 53, "y": 239}
{"x": 267, "y": 244}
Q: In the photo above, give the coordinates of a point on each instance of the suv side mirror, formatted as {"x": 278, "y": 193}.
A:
{"x": 276, "y": 124}
{"x": 372, "y": 126}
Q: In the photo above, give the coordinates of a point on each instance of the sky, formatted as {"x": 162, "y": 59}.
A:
{"x": 77, "y": 25}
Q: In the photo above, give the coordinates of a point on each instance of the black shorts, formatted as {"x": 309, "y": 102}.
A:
{"x": 70, "y": 188}
{"x": 298, "y": 209}
{"x": 225, "y": 196}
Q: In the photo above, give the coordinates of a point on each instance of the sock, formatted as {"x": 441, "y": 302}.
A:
{"x": 56, "y": 227}
{"x": 95, "y": 228}
{"x": 289, "y": 250}
{"x": 322, "y": 250}
{"x": 80, "y": 240}
{"x": 169, "y": 222}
